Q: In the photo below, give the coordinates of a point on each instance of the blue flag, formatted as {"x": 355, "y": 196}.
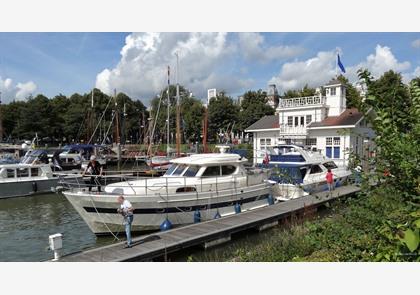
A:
{"x": 340, "y": 64}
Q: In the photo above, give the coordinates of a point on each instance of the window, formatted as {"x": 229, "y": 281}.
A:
{"x": 212, "y": 171}
{"x": 262, "y": 141}
{"x": 333, "y": 90}
{"x": 10, "y": 173}
{"x": 296, "y": 121}
{"x": 191, "y": 171}
{"x": 290, "y": 121}
{"x": 311, "y": 141}
{"x": 330, "y": 165}
{"x": 308, "y": 119}
{"x": 171, "y": 169}
{"x": 179, "y": 169}
{"x": 268, "y": 141}
{"x": 22, "y": 172}
{"x": 34, "y": 172}
{"x": 228, "y": 170}
{"x": 336, "y": 140}
{"x": 316, "y": 169}
{"x": 328, "y": 141}
{"x": 302, "y": 121}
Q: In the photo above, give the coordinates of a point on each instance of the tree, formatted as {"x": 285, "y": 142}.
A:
{"x": 223, "y": 113}
{"x": 305, "y": 91}
{"x": 253, "y": 107}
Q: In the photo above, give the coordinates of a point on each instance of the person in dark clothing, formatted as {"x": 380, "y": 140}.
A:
{"x": 95, "y": 169}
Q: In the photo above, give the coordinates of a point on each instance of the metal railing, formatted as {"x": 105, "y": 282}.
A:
{"x": 163, "y": 185}
{"x": 300, "y": 130}
{"x": 302, "y": 101}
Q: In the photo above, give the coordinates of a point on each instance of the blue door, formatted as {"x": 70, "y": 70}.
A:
{"x": 328, "y": 151}
{"x": 336, "y": 152}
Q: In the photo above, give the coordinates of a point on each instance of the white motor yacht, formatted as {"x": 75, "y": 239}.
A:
{"x": 297, "y": 172}
{"x": 203, "y": 185}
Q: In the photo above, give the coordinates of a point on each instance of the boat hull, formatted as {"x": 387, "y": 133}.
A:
{"x": 100, "y": 211}
{"x": 27, "y": 188}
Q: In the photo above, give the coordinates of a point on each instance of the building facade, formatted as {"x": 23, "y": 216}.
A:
{"x": 320, "y": 122}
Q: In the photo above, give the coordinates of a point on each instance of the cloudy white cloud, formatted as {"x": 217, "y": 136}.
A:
{"x": 141, "y": 71}
{"x": 11, "y": 91}
{"x": 416, "y": 43}
{"x": 320, "y": 69}
{"x": 253, "y": 47}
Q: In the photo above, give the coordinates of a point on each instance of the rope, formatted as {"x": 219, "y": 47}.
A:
{"x": 103, "y": 221}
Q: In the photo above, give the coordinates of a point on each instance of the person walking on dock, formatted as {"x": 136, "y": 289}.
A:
{"x": 126, "y": 210}
{"x": 330, "y": 180}
{"x": 95, "y": 169}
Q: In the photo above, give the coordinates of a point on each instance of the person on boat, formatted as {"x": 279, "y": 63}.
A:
{"x": 126, "y": 210}
{"x": 95, "y": 169}
{"x": 330, "y": 180}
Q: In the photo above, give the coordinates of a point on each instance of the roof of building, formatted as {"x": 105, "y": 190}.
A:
{"x": 267, "y": 122}
{"x": 347, "y": 118}
{"x": 334, "y": 81}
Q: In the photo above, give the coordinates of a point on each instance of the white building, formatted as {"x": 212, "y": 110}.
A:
{"x": 317, "y": 122}
{"x": 210, "y": 94}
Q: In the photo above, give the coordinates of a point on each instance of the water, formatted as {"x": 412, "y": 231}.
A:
{"x": 26, "y": 223}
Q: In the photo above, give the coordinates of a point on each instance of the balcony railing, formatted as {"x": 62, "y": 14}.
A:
{"x": 293, "y": 130}
{"x": 302, "y": 101}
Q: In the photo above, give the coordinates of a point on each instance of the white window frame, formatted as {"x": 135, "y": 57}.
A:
{"x": 328, "y": 141}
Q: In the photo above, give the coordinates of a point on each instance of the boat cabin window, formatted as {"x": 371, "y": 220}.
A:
{"x": 10, "y": 173}
{"x": 330, "y": 165}
{"x": 171, "y": 169}
{"x": 22, "y": 172}
{"x": 303, "y": 171}
{"x": 316, "y": 169}
{"x": 35, "y": 172}
{"x": 228, "y": 170}
{"x": 191, "y": 171}
{"x": 179, "y": 169}
{"x": 212, "y": 171}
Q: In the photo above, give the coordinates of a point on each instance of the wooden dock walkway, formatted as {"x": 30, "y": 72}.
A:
{"x": 207, "y": 233}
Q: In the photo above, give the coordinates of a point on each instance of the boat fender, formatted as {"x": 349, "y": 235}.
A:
{"x": 270, "y": 200}
{"x": 166, "y": 225}
{"x": 237, "y": 208}
{"x": 34, "y": 186}
{"x": 197, "y": 216}
{"x": 217, "y": 215}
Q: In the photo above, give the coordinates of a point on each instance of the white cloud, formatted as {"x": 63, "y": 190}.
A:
{"x": 141, "y": 72}
{"x": 416, "y": 43}
{"x": 320, "y": 69}
{"x": 20, "y": 91}
{"x": 253, "y": 48}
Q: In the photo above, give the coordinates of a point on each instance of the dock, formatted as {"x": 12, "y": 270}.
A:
{"x": 209, "y": 233}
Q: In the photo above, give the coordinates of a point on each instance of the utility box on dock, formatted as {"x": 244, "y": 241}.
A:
{"x": 56, "y": 241}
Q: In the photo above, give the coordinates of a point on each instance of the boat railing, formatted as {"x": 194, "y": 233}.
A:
{"x": 162, "y": 185}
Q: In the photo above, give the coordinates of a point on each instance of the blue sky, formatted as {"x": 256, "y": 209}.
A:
{"x": 75, "y": 62}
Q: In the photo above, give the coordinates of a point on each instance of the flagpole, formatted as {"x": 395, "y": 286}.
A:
{"x": 336, "y": 63}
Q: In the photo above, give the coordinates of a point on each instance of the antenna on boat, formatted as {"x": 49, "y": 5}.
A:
{"x": 1, "y": 122}
{"x": 169, "y": 104}
{"x": 178, "y": 115}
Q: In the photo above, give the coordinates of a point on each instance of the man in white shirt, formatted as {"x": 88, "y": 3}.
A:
{"x": 126, "y": 210}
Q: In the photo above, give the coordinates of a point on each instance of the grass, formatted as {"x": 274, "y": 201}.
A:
{"x": 347, "y": 231}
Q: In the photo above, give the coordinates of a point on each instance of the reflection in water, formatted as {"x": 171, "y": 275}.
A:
{"x": 26, "y": 223}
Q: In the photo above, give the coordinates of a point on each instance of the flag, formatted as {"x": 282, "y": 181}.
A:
{"x": 340, "y": 64}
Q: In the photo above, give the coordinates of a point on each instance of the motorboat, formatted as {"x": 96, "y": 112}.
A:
{"x": 202, "y": 185}
{"x": 76, "y": 156}
{"x": 297, "y": 172}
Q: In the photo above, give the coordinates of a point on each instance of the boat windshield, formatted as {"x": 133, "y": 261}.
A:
{"x": 179, "y": 169}
{"x": 291, "y": 174}
{"x": 330, "y": 165}
{"x": 191, "y": 171}
{"x": 171, "y": 169}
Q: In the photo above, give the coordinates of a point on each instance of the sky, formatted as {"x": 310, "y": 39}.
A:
{"x": 136, "y": 63}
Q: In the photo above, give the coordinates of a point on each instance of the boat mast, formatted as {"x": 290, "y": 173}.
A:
{"x": 1, "y": 122}
{"x": 167, "y": 120}
{"x": 205, "y": 128}
{"x": 178, "y": 115}
{"x": 117, "y": 121}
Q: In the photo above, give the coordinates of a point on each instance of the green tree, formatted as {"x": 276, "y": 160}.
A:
{"x": 305, "y": 91}
{"x": 253, "y": 107}
{"x": 223, "y": 113}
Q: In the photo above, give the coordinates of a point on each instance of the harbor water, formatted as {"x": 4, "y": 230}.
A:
{"x": 26, "y": 223}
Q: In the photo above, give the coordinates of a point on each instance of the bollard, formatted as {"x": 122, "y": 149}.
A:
{"x": 237, "y": 208}
{"x": 56, "y": 244}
